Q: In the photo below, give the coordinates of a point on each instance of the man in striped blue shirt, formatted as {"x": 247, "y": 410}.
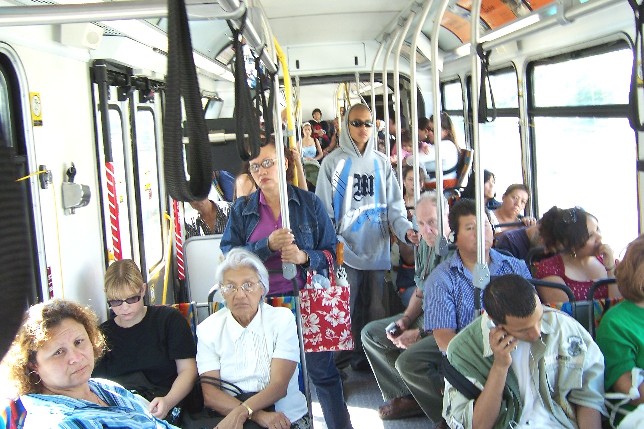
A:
{"x": 449, "y": 296}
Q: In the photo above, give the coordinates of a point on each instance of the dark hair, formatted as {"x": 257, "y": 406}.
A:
{"x": 564, "y": 229}
{"x": 448, "y": 125}
{"x": 463, "y": 207}
{"x": 405, "y": 137}
{"x": 509, "y": 295}
{"x": 470, "y": 190}
{"x": 515, "y": 187}
{"x": 423, "y": 123}
{"x": 316, "y": 110}
{"x": 406, "y": 169}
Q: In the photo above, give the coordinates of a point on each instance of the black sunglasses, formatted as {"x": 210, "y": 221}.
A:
{"x": 358, "y": 123}
{"x": 119, "y": 302}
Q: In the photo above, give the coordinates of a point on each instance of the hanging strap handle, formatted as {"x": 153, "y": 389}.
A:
{"x": 182, "y": 79}
{"x": 485, "y": 114}
{"x": 246, "y": 120}
{"x": 637, "y": 74}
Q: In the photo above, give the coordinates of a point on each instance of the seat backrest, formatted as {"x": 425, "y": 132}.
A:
{"x": 12, "y": 414}
{"x": 189, "y": 311}
{"x": 464, "y": 166}
{"x": 600, "y": 306}
{"x": 202, "y": 255}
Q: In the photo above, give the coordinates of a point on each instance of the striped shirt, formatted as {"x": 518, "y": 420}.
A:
{"x": 124, "y": 410}
{"x": 449, "y": 290}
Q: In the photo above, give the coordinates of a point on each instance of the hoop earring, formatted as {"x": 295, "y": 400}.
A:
{"x": 34, "y": 372}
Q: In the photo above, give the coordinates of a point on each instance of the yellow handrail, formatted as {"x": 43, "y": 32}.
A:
{"x": 288, "y": 94}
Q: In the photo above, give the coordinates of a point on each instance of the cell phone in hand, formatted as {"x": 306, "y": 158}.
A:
{"x": 393, "y": 329}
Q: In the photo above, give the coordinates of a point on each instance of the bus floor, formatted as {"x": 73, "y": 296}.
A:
{"x": 363, "y": 399}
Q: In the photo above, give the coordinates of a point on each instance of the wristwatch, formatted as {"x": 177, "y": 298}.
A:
{"x": 423, "y": 333}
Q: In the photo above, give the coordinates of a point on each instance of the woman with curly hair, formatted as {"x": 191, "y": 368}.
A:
{"x": 50, "y": 363}
{"x": 581, "y": 259}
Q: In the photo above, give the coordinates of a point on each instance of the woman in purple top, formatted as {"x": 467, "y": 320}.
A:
{"x": 255, "y": 223}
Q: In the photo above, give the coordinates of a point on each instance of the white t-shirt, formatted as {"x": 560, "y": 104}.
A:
{"x": 243, "y": 355}
{"x": 449, "y": 158}
{"x": 534, "y": 414}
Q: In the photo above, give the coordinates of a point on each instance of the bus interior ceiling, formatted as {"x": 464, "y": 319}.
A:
{"x": 327, "y": 44}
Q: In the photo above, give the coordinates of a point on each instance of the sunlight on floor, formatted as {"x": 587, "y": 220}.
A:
{"x": 360, "y": 417}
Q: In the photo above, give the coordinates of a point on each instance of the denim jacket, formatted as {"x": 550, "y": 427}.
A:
{"x": 310, "y": 225}
{"x": 566, "y": 365}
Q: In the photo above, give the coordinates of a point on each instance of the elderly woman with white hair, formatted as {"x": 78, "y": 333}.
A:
{"x": 254, "y": 346}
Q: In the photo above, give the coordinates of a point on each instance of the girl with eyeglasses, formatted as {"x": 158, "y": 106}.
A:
{"x": 150, "y": 349}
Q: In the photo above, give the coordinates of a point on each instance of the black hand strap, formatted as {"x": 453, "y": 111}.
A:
{"x": 485, "y": 114}
{"x": 246, "y": 120}
{"x": 637, "y": 74}
{"x": 182, "y": 79}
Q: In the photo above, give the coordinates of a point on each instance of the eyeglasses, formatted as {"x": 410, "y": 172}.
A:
{"x": 246, "y": 287}
{"x": 265, "y": 164}
{"x": 118, "y": 302}
{"x": 358, "y": 123}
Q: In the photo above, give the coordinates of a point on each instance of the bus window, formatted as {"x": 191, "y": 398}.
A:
{"x": 453, "y": 105}
{"x": 146, "y": 140}
{"x": 500, "y": 140}
{"x": 578, "y": 109}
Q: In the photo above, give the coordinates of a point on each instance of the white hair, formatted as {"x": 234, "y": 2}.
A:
{"x": 242, "y": 258}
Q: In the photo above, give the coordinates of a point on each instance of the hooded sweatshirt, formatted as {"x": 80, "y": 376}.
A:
{"x": 362, "y": 196}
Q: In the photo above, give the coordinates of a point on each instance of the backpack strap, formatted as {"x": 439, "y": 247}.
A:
{"x": 459, "y": 381}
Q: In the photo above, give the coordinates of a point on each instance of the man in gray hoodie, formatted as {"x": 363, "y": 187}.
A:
{"x": 361, "y": 194}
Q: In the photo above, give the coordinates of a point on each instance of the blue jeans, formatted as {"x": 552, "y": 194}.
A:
{"x": 328, "y": 386}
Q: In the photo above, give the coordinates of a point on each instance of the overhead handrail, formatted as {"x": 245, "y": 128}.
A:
{"x": 253, "y": 39}
{"x": 103, "y": 11}
{"x": 441, "y": 245}
{"x": 414, "y": 98}
{"x": 385, "y": 93}
{"x": 481, "y": 275}
{"x": 373, "y": 80}
{"x": 397, "y": 100}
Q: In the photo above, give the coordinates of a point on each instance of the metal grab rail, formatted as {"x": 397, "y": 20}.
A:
{"x": 104, "y": 11}
{"x": 397, "y": 101}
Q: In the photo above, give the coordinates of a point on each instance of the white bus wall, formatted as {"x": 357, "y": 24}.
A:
{"x": 73, "y": 243}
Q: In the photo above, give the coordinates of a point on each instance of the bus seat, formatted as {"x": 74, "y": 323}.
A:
{"x": 463, "y": 168}
{"x": 600, "y": 306}
{"x": 311, "y": 170}
{"x": 202, "y": 255}
{"x": 189, "y": 311}
{"x": 13, "y": 414}
{"x": 534, "y": 256}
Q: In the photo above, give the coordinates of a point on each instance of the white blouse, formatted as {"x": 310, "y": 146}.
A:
{"x": 243, "y": 355}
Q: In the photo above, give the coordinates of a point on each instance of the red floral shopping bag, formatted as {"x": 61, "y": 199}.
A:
{"x": 326, "y": 318}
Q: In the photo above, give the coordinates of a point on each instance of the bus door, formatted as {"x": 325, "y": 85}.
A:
{"x": 128, "y": 112}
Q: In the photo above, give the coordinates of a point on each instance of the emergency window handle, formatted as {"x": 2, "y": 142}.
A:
{"x": 71, "y": 173}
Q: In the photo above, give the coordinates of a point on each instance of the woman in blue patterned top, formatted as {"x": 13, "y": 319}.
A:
{"x": 50, "y": 363}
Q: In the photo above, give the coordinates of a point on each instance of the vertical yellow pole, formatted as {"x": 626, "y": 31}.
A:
{"x": 288, "y": 94}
